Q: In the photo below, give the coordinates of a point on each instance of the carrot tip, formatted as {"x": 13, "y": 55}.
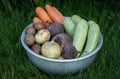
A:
{"x": 36, "y": 19}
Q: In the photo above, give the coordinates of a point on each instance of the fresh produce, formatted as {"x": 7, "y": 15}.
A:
{"x": 53, "y": 14}
{"x": 36, "y": 48}
{"x": 36, "y": 19}
{"x": 54, "y": 36}
{"x": 62, "y": 39}
{"x": 55, "y": 28}
{"x": 29, "y": 39}
{"x": 69, "y": 27}
{"x": 92, "y": 38}
{"x": 38, "y": 25}
{"x": 75, "y": 18}
{"x": 59, "y": 14}
{"x": 51, "y": 49}
{"x": 30, "y": 30}
{"x": 68, "y": 50}
{"x": 42, "y": 36}
{"x": 41, "y": 13}
{"x": 80, "y": 35}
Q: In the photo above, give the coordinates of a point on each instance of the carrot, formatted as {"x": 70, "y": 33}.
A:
{"x": 36, "y": 19}
{"x": 42, "y": 14}
{"x": 52, "y": 14}
{"x": 59, "y": 14}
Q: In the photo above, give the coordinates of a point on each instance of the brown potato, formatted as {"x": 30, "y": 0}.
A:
{"x": 39, "y": 26}
{"x": 36, "y": 48}
{"x": 30, "y": 30}
{"x": 29, "y": 39}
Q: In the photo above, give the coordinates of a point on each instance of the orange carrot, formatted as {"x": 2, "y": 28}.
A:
{"x": 52, "y": 14}
{"x": 59, "y": 14}
{"x": 36, "y": 19}
{"x": 42, "y": 14}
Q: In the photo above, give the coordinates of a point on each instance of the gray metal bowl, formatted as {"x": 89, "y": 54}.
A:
{"x": 60, "y": 66}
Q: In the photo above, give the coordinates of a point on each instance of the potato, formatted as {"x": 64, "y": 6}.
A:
{"x": 29, "y": 39}
{"x": 36, "y": 48}
{"x": 42, "y": 36}
{"x": 39, "y": 26}
{"x": 30, "y": 30}
{"x": 55, "y": 28}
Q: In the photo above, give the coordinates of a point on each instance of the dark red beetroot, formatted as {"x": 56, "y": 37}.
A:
{"x": 55, "y": 28}
{"x": 68, "y": 50}
{"x": 62, "y": 38}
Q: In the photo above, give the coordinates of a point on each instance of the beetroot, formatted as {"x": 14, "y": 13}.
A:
{"x": 55, "y": 28}
{"x": 68, "y": 50}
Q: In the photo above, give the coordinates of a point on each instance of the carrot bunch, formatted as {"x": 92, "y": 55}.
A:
{"x": 48, "y": 15}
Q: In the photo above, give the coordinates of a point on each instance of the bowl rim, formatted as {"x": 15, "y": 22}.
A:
{"x": 99, "y": 45}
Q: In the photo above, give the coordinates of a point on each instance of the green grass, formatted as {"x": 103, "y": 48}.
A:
{"x": 14, "y": 16}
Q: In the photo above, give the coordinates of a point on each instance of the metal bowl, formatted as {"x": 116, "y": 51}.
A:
{"x": 60, "y": 66}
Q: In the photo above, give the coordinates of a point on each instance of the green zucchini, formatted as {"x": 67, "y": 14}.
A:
{"x": 93, "y": 37}
{"x": 80, "y": 35}
{"x": 69, "y": 27}
{"x": 75, "y": 18}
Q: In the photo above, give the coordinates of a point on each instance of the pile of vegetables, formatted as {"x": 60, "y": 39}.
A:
{"x": 53, "y": 36}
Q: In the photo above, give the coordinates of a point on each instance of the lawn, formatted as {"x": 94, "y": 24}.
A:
{"x": 15, "y": 16}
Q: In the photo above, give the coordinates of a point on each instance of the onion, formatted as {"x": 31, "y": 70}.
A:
{"x": 51, "y": 49}
{"x": 42, "y": 36}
